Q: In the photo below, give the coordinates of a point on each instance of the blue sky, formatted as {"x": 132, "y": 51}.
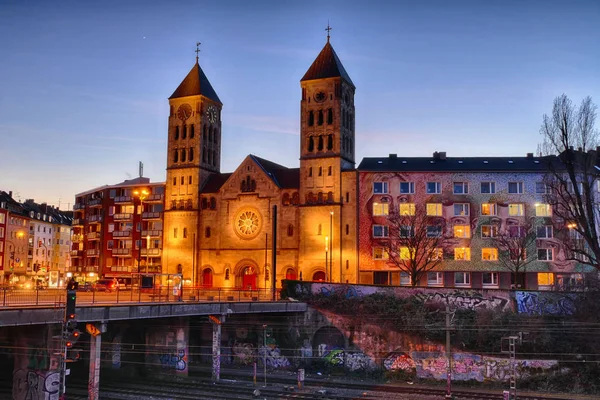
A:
{"x": 84, "y": 85}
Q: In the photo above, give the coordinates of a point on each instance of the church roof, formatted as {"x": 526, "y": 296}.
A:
{"x": 326, "y": 65}
{"x": 284, "y": 177}
{"x": 214, "y": 182}
{"x": 196, "y": 83}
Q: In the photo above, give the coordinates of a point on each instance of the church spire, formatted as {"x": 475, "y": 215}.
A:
{"x": 327, "y": 65}
{"x": 196, "y": 83}
{"x": 197, "y": 51}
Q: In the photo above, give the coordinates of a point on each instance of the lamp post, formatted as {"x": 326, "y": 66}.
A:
{"x": 326, "y": 257}
{"x": 331, "y": 245}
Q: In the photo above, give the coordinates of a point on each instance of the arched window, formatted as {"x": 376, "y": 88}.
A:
{"x": 329, "y": 116}
{"x": 296, "y": 198}
{"x": 173, "y": 204}
{"x": 210, "y": 134}
{"x": 176, "y": 133}
{"x": 207, "y": 232}
{"x": 286, "y": 199}
{"x": 329, "y": 142}
{"x": 175, "y": 181}
{"x": 347, "y": 229}
{"x": 311, "y": 144}
{"x": 183, "y": 155}
{"x": 290, "y": 230}
{"x": 204, "y": 134}
{"x": 181, "y": 204}
{"x": 320, "y": 197}
{"x": 310, "y": 198}
{"x": 210, "y": 157}
{"x": 320, "y": 117}
{"x": 204, "y": 153}
{"x": 176, "y": 156}
{"x": 184, "y": 133}
{"x": 319, "y": 230}
{"x": 191, "y": 131}
{"x": 185, "y": 233}
{"x": 309, "y": 171}
{"x": 191, "y": 153}
{"x": 347, "y": 197}
{"x": 189, "y": 204}
{"x": 204, "y": 203}
{"x": 215, "y": 135}
{"x": 311, "y": 118}
{"x": 320, "y": 171}
{"x": 226, "y": 274}
{"x": 290, "y": 274}
{"x": 214, "y": 158}
{"x": 330, "y": 197}
{"x": 319, "y": 276}
{"x": 320, "y": 145}
{"x": 329, "y": 170}
{"x": 213, "y": 203}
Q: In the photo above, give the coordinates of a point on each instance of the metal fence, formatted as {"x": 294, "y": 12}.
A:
{"x": 25, "y": 298}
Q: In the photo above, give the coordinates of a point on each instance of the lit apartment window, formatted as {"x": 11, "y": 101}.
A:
{"x": 545, "y": 278}
{"x": 489, "y": 279}
{"x": 462, "y": 254}
{"x": 435, "y": 278}
{"x": 433, "y": 187}
{"x": 545, "y": 255}
{"x": 436, "y": 254}
{"x": 380, "y": 187}
{"x": 541, "y": 188}
{"x": 515, "y": 187}
{"x": 434, "y": 209}
{"x": 488, "y": 187}
{"x": 407, "y": 209}
{"x": 407, "y": 187}
{"x": 489, "y": 231}
{"x": 489, "y": 254}
{"x": 381, "y": 209}
{"x": 461, "y": 187}
{"x": 516, "y": 210}
{"x": 544, "y": 232}
{"x": 543, "y": 210}
{"x": 405, "y": 253}
{"x": 434, "y": 231}
{"x": 489, "y": 209}
{"x": 405, "y": 279}
{"x": 380, "y": 231}
{"x": 462, "y": 231}
{"x": 462, "y": 279}
{"x": 461, "y": 209}
{"x": 379, "y": 253}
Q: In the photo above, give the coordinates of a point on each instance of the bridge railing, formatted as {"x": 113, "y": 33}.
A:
{"x": 24, "y": 298}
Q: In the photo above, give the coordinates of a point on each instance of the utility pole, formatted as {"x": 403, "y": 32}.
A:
{"x": 448, "y": 354}
{"x": 512, "y": 352}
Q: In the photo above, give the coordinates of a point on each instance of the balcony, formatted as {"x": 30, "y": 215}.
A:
{"x": 154, "y": 198}
{"x": 122, "y": 216}
{"x": 92, "y": 253}
{"x": 93, "y": 236}
{"x": 121, "y": 268}
{"x": 78, "y": 206}
{"x": 91, "y": 269}
{"x": 95, "y": 203}
{"x": 77, "y": 222}
{"x": 76, "y": 253}
{"x": 94, "y": 219}
{"x": 77, "y": 238}
{"x": 150, "y": 253}
{"x": 152, "y": 233}
{"x": 151, "y": 215}
{"x": 122, "y": 234}
{"x": 123, "y": 199}
{"x": 121, "y": 252}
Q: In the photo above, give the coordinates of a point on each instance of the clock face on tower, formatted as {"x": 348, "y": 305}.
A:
{"x": 184, "y": 111}
{"x": 211, "y": 114}
{"x": 320, "y": 97}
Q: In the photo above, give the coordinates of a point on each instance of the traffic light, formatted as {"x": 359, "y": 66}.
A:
{"x": 70, "y": 309}
{"x": 70, "y": 332}
{"x": 73, "y": 355}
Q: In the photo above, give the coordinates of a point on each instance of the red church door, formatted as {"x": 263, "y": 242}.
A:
{"x": 207, "y": 278}
{"x": 319, "y": 276}
{"x": 290, "y": 274}
{"x": 249, "y": 278}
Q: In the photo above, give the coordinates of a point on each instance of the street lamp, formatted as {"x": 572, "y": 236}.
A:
{"x": 142, "y": 195}
{"x": 331, "y": 246}
{"x": 326, "y": 258}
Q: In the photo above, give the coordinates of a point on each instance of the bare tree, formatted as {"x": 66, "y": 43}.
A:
{"x": 416, "y": 241}
{"x": 517, "y": 248}
{"x": 572, "y": 181}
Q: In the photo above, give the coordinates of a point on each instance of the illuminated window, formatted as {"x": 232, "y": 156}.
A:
{"x": 543, "y": 210}
{"x": 379, "y": 253}
{"x": 433, "y": 187}
{"x": 434, "y": 209}
{"x": 515, "y": 187}
{"x": 407, "y": 187}
{"x": 436, "y": 254}
{"x": 434, "y": 231}
{"x": 381, "y": 209}
{"x": 489, "y": 279}
{"x": 461, "y": 209}
{"x": 544, "y": 232}
{"x": 407, "y": 209}
{"x": 462, "y": 278}
{"x": 489, "y": 231}
{"x": 380, "y": 187}
{"x": 405, "y": 278}
{"x": 545, "y": 278}
{"x": 435, "y": 278}
{"x": 461, "y": 187}
{"x": 545, "y": 255}
{"x": 516, "y": 210}
{"x": 489, "y": 254}
{"x": 462, "y": 254}
{"x": 405, "y": 253}
{"x": 488, "y": 187}
{"x": 488, "y": 209}
{"x": 380, "y": 231}
{"x": 462, "y": 231}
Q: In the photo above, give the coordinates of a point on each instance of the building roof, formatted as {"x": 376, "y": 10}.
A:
{"x": 284, "y": 177}
{"x": 214, "y": 182}
{"x": 327, "y": 65}
{"x": 196, "y": 83}
{"x": 440, "y": 163}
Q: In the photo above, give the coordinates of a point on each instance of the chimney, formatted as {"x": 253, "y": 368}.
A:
{"x": 44, "y": 208}
{"x": 442, "y": 155}
{"x": 529, "y": 155}
{"x": 393, "y": 156}
{"x": 10, "y": 194}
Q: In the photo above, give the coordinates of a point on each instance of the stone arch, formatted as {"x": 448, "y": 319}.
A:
{"x": 246, "y": 274}
{"x": 290, "y": 272}
{"x": 206, "y": 276}
{"x": 327, "y": 339}
{"x": 318, "y": 275}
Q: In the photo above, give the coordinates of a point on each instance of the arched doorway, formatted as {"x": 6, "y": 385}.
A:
{"x": 207, "y": 278}
{"x": 319, "y": 276}
{"x": 290, "y": 273}
{"x": 327, "y": 339}
{"x": 249, "y": 277}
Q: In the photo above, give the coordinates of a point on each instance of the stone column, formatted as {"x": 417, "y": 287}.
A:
{"x": 216, "y": 351}
{"x": 94, "y": 377}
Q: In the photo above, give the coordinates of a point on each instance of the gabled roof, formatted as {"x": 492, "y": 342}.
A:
{"x": 326, "y": 65}
{"x": 214, "y": 183}
{"x": 283, "y": 177}
{"x": 195, "y": 83}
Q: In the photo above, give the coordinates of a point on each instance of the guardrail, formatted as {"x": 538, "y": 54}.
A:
{"x": 26, "y": 298}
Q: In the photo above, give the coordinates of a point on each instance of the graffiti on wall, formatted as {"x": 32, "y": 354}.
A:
{"x": 469, "y": 300}
{"x": 540, "y": 303}
{"x": 351, "y": 360}
{"x": 34, "y": 385}
{"x": 399, "y": 361}
{"x": 176, "y": 361}
{"x": 171, "y": 350}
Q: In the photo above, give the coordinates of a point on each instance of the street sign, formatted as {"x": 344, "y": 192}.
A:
{"x": 215, "y": 320}
{"x": 92, "y": 330}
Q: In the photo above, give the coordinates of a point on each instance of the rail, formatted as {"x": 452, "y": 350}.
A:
{"x": 26, "y": 298}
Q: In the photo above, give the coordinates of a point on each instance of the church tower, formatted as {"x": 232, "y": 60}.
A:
{"x": 327, "y": 175}
{"x": 193, "y": 154}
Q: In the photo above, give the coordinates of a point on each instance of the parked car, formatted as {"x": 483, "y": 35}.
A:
{"x": 105, "y": 285}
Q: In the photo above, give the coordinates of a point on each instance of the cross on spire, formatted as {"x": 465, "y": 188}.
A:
{"x": 328, "y": 29}
{"x": 197, "y": 50}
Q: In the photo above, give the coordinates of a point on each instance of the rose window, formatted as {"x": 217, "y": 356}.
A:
{"x": 247, "y": 224}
